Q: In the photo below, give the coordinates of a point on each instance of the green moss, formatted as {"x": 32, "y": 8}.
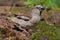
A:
{"x": 52, "y": 31}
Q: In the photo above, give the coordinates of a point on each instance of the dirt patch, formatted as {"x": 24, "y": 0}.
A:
{"x": 8, "y": 31}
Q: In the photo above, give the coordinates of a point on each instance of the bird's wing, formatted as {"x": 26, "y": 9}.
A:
{"x": 21, "y": 22}
{"x": 23, "y": 18}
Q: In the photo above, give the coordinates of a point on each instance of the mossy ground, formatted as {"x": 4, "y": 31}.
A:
{"x": 44, "y": 31}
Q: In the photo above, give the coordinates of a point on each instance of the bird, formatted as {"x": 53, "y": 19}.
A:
{"x": 26, "y": 22}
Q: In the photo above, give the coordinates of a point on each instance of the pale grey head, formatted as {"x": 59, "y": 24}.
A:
{"x": 37, "y": 10}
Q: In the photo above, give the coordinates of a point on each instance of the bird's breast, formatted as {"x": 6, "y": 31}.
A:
{"x": 35, "y": 19}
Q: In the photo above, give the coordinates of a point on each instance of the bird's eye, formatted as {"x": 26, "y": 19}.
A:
{"x": 37, "y": 7}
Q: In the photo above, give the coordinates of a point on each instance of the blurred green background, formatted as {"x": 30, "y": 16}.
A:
{"x": 54, "y": 3}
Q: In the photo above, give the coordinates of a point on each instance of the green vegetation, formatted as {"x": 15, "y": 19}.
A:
{"x": 54, "y": 3}
{"x": 51, "y": 32}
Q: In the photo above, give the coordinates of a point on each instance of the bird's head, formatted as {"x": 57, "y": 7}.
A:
{"x": 40, "y": 8}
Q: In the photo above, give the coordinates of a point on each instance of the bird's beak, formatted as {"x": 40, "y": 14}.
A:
{"x": 41, "y": 8}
